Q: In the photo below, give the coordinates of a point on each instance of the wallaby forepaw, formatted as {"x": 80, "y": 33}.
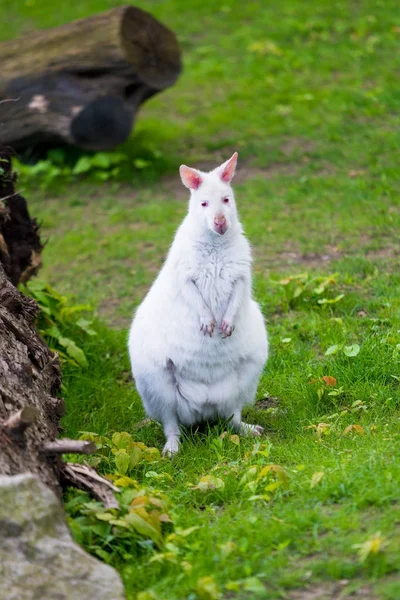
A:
{"x": 227, "y": 328}
{"x": 207, "y": 326}
{"x": 247, "y": 429}
{"x": 171, "y": 448}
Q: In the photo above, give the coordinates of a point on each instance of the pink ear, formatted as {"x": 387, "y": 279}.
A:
{"x": 190, "y": 177}
{"x": 228, "y": 168}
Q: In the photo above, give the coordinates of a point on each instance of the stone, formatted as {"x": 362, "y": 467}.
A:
{"x": 38, "y": 558}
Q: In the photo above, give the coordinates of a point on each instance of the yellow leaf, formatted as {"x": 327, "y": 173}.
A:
{"x": 207, "y": 589}
{"x": 233, "y": 586}
{"x": 264, "y": 471}
{"x": 140, "y": 501}
{"x": 259, "y": 497}
{"x": 273, "y": 486}
{"x": 125, "y": 482}
{"x": 277, "y": 469}
{"x": 371, "y": 547}
{"x": 235, "y": 439}
{"x": 151, "y": 454}
{"x": 316, "y": 478}
{"x": 358, "y": 428}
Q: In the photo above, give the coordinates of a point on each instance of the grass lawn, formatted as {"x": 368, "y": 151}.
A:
{"x": 308, "y": 95}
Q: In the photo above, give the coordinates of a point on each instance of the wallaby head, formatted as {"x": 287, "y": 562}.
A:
{"x": 212, "y": 203}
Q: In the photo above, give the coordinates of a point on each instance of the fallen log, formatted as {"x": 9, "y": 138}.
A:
{"x": 82, "y": 83}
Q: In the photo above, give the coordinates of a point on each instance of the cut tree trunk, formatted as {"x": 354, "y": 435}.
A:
{"x": 83, "y": 83}
{"x": 30, "y": 377}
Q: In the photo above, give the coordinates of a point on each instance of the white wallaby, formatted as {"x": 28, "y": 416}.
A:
{"x": 198, "y": 342}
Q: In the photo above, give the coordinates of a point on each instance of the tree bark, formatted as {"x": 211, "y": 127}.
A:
{"x": 30, "y": 381}
{"x": 29, "y": 377}
{"x": 20, "y": 245}
{"x": 83, "y": 83}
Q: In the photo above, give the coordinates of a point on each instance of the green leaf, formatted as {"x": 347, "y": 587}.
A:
{"x": 140, "y": 163}
{"x": 121, "y": 439}
{"x": 53, "y": 332}
{"x": 135, "y": 455}
{"x": 101, "y": 160}
{"x": 122, "y": 460}
{"x": 332, "y": 349}
{"x": 332, "y": 300}
{"x": 142, "y": 526}
{"x": 298, "y": 291}
{"x": 83, "y": 165}
{"x": 104, "y": 516}
{"x": 316, "y": 478}
{"x": 73, "y": 351}
{"x": 351, "y": 350}
{"x": 85, "y": 325}
{"x": 207, "y": 589}
{"x": 253, "y": 584}
{"x": 103, "y": 555}
{"x": 56, "y": 155}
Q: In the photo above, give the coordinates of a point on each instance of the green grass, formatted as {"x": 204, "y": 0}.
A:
{"x": 308, "y": 95}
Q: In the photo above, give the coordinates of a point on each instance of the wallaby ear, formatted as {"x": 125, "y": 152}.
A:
{"x": 227, "y": 170}
{"x": 190, "y": 177}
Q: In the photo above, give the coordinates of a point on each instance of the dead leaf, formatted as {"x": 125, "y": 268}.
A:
{"x": 358, "y": 428}
{"x": 329, "y": 380}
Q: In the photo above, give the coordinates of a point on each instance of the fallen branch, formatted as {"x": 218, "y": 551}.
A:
{"x": 85, "y": 478}
{"x": 67, "y": 446}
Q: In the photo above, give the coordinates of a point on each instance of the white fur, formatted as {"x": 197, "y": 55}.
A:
{"x": 186, "y": 368}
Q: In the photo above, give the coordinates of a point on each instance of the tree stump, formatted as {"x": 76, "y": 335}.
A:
{"x": 83, "y": 83}
{"x": 30, "y": 377}
{"x": 20, "y": 245}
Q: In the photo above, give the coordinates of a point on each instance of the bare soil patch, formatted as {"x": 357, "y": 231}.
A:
{"x": 332, "y": 591}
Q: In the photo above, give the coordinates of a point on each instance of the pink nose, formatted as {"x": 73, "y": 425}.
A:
{"x": 219, "y": 220}
{"x": 220, "y": 225}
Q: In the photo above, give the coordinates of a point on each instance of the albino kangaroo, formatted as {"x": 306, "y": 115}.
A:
{"x": 198, "y": 342}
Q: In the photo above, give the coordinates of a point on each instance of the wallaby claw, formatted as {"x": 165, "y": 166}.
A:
{"x": 208, "y": 328}
{"x": 227, "y": 329}
{"x": 248, "y": 429}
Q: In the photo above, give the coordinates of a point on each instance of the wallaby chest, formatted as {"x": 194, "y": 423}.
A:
{"x": 215, "y": 272}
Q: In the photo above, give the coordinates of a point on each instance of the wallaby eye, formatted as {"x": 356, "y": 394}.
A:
{"x": 204, "y": 203}
{"x": 225, "y": 200}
